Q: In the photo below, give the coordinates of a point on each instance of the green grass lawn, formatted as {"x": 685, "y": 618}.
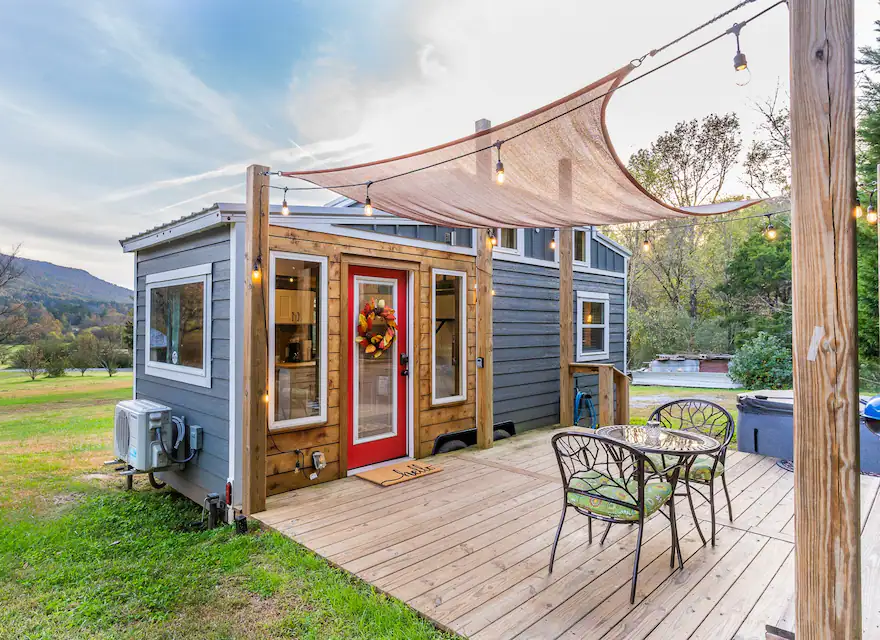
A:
{"x": 80, "y": 558}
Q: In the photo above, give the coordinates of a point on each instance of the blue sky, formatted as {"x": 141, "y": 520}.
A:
{"x": 117, "y": 116}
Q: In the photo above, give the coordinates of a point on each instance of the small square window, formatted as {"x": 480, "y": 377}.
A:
{"x": 507, "y": 239}
{"x": 580, "y": 246}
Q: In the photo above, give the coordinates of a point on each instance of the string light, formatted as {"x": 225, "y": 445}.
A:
{"x": 742, "y": 75}
{"x": 285, "y": 210}
{"x": 368, "y": 206}
{"x": 857, "y": 210}
{"x": 499, "y": 166}
{"x": 266, "y": 397}
{"x": 493, "y": 239}
{"x": 872, "y": 210}
{"x": 553, "y": 244}
{"x": 493, "y": 292}
{"x": 646, "y": 243}
{"x": 770, "y": 231}
{"x": 257, "y": 271}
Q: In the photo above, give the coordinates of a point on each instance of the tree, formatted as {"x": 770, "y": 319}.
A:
{"x": 11, "y": 317}
{"x": 688, "y": 165}
{"x": 768, "y": 160}
{"x": 85, "y": 352}
{"x": 55, "y": 352}
{"x": 30, "y": 358}
{"x": 111, "y": 348}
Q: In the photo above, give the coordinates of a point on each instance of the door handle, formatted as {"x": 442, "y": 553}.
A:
{"x": 404, "y": 372}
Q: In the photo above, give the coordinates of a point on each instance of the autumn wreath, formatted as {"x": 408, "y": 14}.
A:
{"x": 377, "y": 328}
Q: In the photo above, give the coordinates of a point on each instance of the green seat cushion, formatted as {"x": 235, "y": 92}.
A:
{"x": 661, "y": 462}
{"x": 656, "y": 495}
{"x": 701, "y": 470}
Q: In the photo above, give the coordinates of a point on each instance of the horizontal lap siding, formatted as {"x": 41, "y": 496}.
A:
{"x": 614, "y": 287}
{"x": 205, "y": 407}
{"x": 525, "y": 327}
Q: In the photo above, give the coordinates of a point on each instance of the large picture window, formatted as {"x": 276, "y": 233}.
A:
{"x": 178, "y": 327}
{"x": 592, "y": 326}
{"x": 449, "y": 346}
{"x": 298, "y": 340}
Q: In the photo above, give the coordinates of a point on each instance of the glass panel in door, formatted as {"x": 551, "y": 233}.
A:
{"x": 375, "y": 374}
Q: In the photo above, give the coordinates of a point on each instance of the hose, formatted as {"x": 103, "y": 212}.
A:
{"x": 155, "y": 483}
{"x": 178, "y": 422}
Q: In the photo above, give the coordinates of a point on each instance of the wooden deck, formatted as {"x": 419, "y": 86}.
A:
{"x": 469, "y": 547}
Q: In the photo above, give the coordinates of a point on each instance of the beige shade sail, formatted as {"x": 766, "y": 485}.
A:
{"x": 560, "y": 169}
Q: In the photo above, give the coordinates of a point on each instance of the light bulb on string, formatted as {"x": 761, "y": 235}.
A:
{"x": 742, "y": 75}
{"x": 493, "y": 239}
{"x": 368, "y": 205}
{"x": 285, "y": 210}
{"x": 646, "y": 243}
{"x": 770, "y": 231}
{"x": 266, "y": 397}
{"x": 857, "y": 210}
{"x": 553, "y": 244}
{"x": 872, "y": 209}
{"x": 499, "y": 166}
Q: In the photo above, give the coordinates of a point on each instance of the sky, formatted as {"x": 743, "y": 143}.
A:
{"x": 119, "y": 116}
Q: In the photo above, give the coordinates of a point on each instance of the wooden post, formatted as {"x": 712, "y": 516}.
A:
{"x": 566, "y": 304}
{"x": 255, "y": 416}
{"x": 485, "y": 395}
{"x": 621, "y": 396}
{"x": 606, "y": 395}
{"x": 826, "y": 440}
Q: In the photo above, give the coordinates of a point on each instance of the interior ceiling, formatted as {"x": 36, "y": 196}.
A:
{"x": 560, "y": 169}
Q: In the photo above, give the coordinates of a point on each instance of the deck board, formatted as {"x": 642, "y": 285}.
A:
{"x": 469, "y": 547}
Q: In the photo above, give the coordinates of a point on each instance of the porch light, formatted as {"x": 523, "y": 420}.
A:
{"x": 257, "y": 271}
{"x": 285, "y": 210}
{"x": 742, "y": 75}
{"x": 499, "y": 166}
{"x": 368, "y": 205}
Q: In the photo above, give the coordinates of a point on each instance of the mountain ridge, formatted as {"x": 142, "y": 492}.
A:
{"x": 46, "y": 279}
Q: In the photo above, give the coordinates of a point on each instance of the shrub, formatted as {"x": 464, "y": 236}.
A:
{"x": 762, "y": 363}
{"x": 30, "y": 358}
{"x": 55, "y": 353}
{"x": 84, "y": 354}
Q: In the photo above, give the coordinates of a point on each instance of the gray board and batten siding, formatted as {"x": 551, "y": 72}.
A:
{"x": 207, "y": 407}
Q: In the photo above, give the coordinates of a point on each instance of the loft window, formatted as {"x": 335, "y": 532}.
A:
{"x": 580, "y": 252}
{"x": 297, "y": 340}
{"x": 592, "y": 326}
{"x": 449, "y": 347}
{"x": 178, "y": 325}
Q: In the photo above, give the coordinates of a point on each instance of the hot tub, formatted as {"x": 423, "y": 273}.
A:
{"x": 766, "y": 420}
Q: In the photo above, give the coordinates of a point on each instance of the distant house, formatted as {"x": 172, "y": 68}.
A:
{"x": 331, "y": 275}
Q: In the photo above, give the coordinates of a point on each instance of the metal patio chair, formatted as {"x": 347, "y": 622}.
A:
{"x": 605, "y": 480}
{"x": 693, "y": 414}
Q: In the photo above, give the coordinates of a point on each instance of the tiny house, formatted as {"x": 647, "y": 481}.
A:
{"x": 371, "y": 325}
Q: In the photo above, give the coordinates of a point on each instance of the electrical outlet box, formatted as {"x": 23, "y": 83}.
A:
{"x": 195, "y": 438}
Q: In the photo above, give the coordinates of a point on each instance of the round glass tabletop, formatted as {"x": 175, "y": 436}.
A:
{"x": 668, "y": 441}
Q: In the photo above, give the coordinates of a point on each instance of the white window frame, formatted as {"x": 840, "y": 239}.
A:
{"x": 587, "y": 236}
{"x": 588, "y": 296}
{"x": 462, "y": 328}
{"x": 200, "y": 377}
{"x": 518, "y": 250}
{"x": 324, "y": 290}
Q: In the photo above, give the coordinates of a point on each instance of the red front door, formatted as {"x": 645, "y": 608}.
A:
{"x": 377, "y": 375}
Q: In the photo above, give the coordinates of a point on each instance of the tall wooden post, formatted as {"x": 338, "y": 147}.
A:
{"x": 566, "y": 303}
{"x": 826, "y": 443}
{"x": 255, "y": 419}
{"x": 485, "y": 394}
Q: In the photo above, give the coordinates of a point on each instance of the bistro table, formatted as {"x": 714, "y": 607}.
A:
{"x": 677, "y": 449}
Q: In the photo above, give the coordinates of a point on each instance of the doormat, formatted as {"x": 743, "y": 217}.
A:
{"x": 397, "y": 473}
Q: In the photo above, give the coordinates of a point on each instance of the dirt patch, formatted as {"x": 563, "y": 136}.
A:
{"x": 63, "y": 499}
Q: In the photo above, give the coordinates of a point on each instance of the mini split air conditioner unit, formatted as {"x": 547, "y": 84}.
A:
{"x": 136, "y": 437}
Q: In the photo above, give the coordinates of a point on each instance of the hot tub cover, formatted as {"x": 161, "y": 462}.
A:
{"x": 560, "y": 166}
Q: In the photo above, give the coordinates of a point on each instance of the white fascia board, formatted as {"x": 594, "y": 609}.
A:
{"x": 599, "y": 272}
{"x": 338, "y": 230}
{"x": 512, "y": 257}
{"x": 172, "y": 232}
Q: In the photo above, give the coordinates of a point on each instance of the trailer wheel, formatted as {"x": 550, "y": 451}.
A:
{"x": 452, "y": 445}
